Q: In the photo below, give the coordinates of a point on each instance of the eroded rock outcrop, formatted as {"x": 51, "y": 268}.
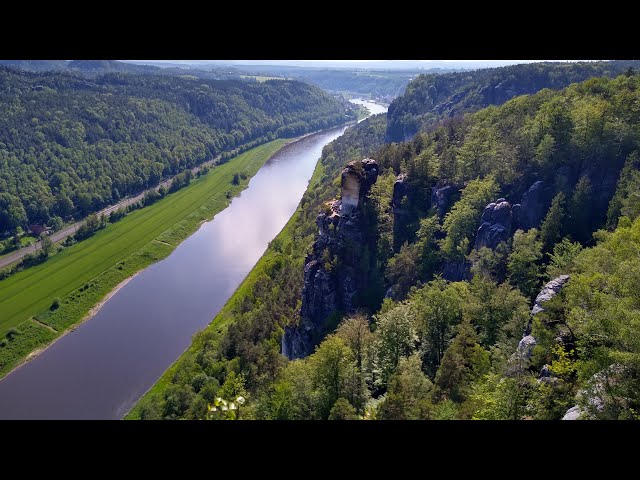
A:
{"x": 399, "y": 209}
{"x": 442, "y": 198}
{"x": 333, "y": 271}
{"x": 400, "y": 190}
{"x": 596, "y": 396}
{"x": 495, "y": 226}
{"x": 550, "y": 290}
{"x": 521, "y": 357}
{"x": 500, "y": 219}
{"x": 456, "y": 270}
{"x": 533, "y": 207}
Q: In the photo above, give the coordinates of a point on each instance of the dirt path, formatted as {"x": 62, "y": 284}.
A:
{"x": 71, "y": 229}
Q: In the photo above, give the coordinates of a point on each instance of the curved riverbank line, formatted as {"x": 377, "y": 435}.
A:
{"x": 100, "y": 369}
{"x": 81, "y": 275}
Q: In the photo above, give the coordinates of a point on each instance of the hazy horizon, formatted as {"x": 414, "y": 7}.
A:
{"x": 382, "y": 64}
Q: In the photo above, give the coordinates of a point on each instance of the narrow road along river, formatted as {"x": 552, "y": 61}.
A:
{"x": 101, "y": 369}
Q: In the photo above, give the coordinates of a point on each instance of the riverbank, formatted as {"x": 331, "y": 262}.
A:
{"x": 228, "y": 313}
{"x": 268, "y": 293}
{"x": 90, "y": 314}
{"x": 82, "y": 275}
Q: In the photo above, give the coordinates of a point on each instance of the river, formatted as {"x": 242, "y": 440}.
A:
{"x": 101, "y": 369}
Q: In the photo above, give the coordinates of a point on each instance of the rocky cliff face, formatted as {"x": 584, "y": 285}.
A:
{"x": 520, "y": 359}
{"x": 333, "y": 272}
{"x": 531, "y": 210}
{"x": 500, "y": 219}
{"x": 443, "y": 197}
{"x": 398, "y": 207}
{"x": 496, "y": 225}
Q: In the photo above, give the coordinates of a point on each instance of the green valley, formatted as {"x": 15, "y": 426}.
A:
{"x": 82, "y": 274}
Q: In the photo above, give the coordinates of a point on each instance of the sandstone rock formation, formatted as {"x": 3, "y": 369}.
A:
{"x": 520, "y": 358}
{"x": 533, "y": 207}
{"x": 442, "y": 198}
{"x": 496, "y": 225}
{"x": 333, "y": 271}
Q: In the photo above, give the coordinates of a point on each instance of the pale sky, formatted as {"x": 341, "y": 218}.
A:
{"x": 386, "y": 64}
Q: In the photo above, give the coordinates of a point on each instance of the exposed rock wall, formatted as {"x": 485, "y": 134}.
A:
{"x": 399, "y": 210}
{"x": 495, "y": 226}
{"x": 333, "y": 272}
{"x": 520, "y": 359}
{"x": 533, "y": 207}
{"x": 442, "y": 198}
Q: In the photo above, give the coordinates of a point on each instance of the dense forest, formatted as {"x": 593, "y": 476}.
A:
{"x": 430, "y": 97}
{"x": 71, "y": 144}
{"x": 92, "y": 68}
{"x": 499, "y": 251}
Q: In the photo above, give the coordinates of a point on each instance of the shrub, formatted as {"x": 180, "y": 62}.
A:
{"x": 55, "y": 304}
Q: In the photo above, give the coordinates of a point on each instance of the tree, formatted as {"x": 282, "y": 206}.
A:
{"x": 430, "y": 253}
{"x": 403, "y": 269}
{"x": 562, "y": 258}
{"x": 84, "y": 203}
{"x": 462, "y": 221}
{"x": 356, "y": 334}
{"x": 499, "y": 311}
{"x": 177, "y": 399}
{"x": 64, "y": 206}
{"x": 438, "y": 308}
{"x": 523, "y": 267}
{"x": 343, "y": 410}
{"x": 395, "y": 338}
{"x": 408, "y": 393}
{"x": 631, "y": 203}
{"x": 47, "y": 244}
{"x": 12, "y": 213}
{"x": 334, "y": 373}
{"x": 545, "y": 151}
{"x": 580, "y": 212}
{"x": 56, "y": 223}
{"x": 490, "y": 264}
{"x": 464, "y": 362}
{"x": 552, "y": 227}
{"x": 628, "y": 183}
{"x": 293, "y": 396}
{"x": 502, "y": 398}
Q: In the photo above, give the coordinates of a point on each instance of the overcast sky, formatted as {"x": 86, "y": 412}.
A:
{"x": 356, "y": 63}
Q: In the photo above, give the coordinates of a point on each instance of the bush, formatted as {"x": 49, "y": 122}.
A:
{"x": 11, "y": 333}
{"x": 55, "y": 304}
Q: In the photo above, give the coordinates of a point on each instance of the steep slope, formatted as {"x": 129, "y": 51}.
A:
{"x": 71, "y": 145}
{"x": 245, "y": 337}
{"x": 471, "y": 344}
{"x": 505, "y": 198}
{"x": 430, "y": 97}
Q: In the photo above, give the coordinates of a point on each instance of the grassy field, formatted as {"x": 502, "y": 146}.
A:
{"x": 84, "y": 273}
{"x": 225, "y": 316}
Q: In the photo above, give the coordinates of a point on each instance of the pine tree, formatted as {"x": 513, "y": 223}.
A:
{"x": 580, "y": 211}
{"x": 552, "y": 228}
{"x": 463, "y": 362}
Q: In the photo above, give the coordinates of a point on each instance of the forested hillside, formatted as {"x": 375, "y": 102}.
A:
{"x": 240, "y": 350}
{"x": 430, "y": 97}
{"x": 70, "y": 145}
{"x": 486, "y": 294}
{"x": 383, "y": 85}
